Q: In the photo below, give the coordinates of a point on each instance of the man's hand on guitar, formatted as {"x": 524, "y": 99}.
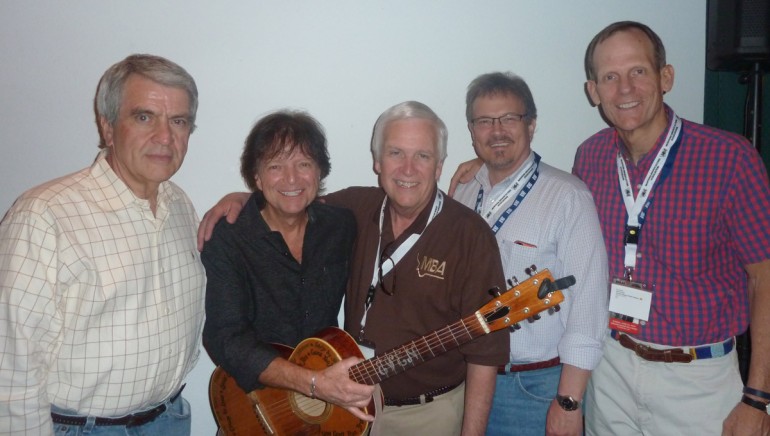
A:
{"x": 334, "y": 385}
{"x": 229, "y": 206}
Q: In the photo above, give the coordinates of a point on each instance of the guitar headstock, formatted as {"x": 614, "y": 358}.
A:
{"x": 525, "y": 300}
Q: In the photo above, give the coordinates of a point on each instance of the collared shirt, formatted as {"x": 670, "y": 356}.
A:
{"x": 442, "y": 279}
{"x": 707, "y": 220}
{"x": 257, "y": 293}
{"x": 554, "y": 227}
{"x": 101, "y": 303}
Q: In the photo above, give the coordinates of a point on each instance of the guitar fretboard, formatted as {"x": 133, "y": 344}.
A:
{"x": 399, "y": 359}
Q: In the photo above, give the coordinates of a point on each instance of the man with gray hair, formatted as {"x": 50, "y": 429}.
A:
{"x": 408, "y": 278}
{"x": 101, "y": 285}
{"x": 544, "y": 216}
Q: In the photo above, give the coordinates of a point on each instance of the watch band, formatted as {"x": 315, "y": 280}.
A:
{"x": 764, "y": 407}
{"x": 756, "y": 393}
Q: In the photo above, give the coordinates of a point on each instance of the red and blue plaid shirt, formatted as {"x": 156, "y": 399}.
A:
{"x": 707, "y": 220}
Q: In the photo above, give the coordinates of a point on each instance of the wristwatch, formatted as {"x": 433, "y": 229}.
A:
{"x": 765, "y": 407}
{"x": 567, "y": 403}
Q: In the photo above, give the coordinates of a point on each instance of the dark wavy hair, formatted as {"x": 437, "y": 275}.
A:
{"x": 284, "y": 132}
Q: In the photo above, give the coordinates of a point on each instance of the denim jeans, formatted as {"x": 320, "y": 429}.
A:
{"x": 521, "y": 402}
{"x": 175, "y": 421}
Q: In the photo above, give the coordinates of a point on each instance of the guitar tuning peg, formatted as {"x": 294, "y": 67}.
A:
{"x": 532, "y": 270}
{"x": 495, "y": 292}
{"x": 514, "y": 327}
{"x": 533, "y": 318}
{"x": 513, "y": 281}
{"x": 556, "y": 308}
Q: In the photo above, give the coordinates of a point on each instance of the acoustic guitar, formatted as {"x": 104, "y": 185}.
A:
{"x": 273, "y": 411}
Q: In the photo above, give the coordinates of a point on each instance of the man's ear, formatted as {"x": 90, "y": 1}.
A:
{"x": 107, "y": 131}
{"x": 667, "y": 78}
{"x": 592, "y": 93}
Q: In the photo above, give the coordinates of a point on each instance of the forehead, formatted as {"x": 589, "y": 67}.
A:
{"x": 282, "y": 151}
{"x": 410, "y": 132}
{"x": 624, "y": 45}
{"x": 139, "y": 90}
{"x": 499, "y": 102}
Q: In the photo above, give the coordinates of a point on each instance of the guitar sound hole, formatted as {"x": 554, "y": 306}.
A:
{"x": 309, "y": 409}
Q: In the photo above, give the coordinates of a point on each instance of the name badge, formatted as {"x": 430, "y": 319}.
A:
{"x": 630, "y": 304}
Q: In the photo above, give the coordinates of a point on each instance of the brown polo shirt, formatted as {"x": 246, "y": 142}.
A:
{"x": 444, "y": 277}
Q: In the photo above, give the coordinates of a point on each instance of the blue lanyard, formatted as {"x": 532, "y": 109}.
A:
{"x": 517, "y": 200}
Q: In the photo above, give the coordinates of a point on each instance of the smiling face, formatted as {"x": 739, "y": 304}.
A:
{"x": 409, "y": 165}
{"x": 503, "y": 148}
{"x": 629, "y": 87}
{"x": 289, "y": 183}
{"x": 148, "y": 141}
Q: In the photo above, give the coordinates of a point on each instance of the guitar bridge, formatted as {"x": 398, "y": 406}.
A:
{"x": 263, "y": 420}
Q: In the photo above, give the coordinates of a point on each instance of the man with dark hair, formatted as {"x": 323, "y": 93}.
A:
{"x": 408, "y": 279}
{"x": 101, "y": 285}
{"x": 544, "y": 216}
{"x": 684, "y": 210}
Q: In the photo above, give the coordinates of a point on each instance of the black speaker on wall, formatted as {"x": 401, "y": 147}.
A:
{"x": 738, "y": 35}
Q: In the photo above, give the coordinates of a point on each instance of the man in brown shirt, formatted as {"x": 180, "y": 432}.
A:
{"x": 437, "y": 261}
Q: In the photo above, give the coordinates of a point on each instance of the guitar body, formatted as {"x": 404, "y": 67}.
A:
{"x": 272, "y": 411}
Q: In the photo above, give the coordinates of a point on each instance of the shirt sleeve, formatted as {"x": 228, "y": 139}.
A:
{"x": 582, "y": 251}
{"x": 30, "y": 323}
{"x": 747, "y": 207}
{"x": 228, "y": 335}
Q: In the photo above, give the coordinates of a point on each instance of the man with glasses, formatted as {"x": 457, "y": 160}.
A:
{"x": 421, "y": 261}
{"x": 543, "y": 216}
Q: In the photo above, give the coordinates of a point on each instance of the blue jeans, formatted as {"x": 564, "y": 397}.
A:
{"x": 521, "y": 402}
{"x": 175, "y": 421}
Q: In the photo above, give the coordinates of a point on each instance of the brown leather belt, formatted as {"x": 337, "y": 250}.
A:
{"x": 422, "y": 399}
{"x": 675, "y": 354}
{"x": 133, "y": 420}
{"x": 508, "y": 369}
{"x": 653, "y": 354}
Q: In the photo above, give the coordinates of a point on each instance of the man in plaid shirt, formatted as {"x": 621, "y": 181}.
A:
{"x": 685, "y": 212}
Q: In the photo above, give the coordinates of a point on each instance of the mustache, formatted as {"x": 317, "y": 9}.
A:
{"x": 499, "y": 138}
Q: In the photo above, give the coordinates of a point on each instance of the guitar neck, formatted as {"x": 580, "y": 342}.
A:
{"x": 399, "y": 359}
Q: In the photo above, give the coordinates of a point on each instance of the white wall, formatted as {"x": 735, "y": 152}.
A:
{"x": 343, "y": 61}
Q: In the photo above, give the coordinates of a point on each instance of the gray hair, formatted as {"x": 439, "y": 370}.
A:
{"x": 109, "y": 94}
{"x": 500, "y": 83}
{"x": 659, "y": 51}
{"x": 404, "y": 111}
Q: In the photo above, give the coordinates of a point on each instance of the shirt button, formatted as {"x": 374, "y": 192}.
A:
{"x": 168, "y": 310}
{"x": 638, "y": 255}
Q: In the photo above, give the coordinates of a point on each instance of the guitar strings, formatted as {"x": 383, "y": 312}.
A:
{"x": 449, "y": 337}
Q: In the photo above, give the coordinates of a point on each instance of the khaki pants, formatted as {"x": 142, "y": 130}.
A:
{"x": 628, "y": 395}
{"x": 442, "y": 416}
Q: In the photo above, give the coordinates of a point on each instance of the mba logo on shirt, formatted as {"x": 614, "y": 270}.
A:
{"x": 429, "y": 267}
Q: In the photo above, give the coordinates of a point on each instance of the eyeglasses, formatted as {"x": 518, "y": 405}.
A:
{"x": 506, "y": 120}
{"x": 383, "y": 259}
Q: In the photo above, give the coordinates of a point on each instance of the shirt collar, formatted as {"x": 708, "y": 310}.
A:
{"x": 117, "y": 195}
{"x": 482, "y": 175}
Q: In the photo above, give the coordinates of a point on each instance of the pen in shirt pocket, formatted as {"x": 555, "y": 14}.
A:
{"x": 524, "y": 244}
